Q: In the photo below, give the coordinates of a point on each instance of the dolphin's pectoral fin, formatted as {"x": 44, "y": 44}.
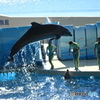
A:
{"x": 58, "y": 36}
{"x": 52, "y": 39}
{"x": 35, "y": 24}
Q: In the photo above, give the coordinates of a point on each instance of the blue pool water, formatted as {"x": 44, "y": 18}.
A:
{"x": 50, "y": 8}
{"x": 33, "y": 86}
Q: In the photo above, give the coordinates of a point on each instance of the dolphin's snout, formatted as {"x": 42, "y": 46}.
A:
{"x": 67, "y": 33}
{"x": 70, "y": 34}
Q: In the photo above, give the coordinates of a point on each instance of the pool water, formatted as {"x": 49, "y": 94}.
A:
{"x": 33, "y": 86}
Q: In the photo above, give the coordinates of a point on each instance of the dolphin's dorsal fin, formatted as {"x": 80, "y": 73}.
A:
{"x": 35, "y": 24}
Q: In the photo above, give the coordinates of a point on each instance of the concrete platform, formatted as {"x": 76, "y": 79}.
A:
{"x": 85, "y": 65}
{"x": 86, "y": 68}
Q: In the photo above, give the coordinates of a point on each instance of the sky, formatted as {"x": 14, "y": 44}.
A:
{"x": 30, "y": 8}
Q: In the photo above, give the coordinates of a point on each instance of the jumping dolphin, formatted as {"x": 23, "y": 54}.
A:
{"x": 39, "y": 32}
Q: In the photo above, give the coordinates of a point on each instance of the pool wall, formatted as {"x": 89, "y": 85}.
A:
{"x": 8, "y": 37}
{"x": 85, "y": 36}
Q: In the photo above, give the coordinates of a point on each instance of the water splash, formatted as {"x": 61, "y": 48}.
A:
{"x": 25, "y": 57}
